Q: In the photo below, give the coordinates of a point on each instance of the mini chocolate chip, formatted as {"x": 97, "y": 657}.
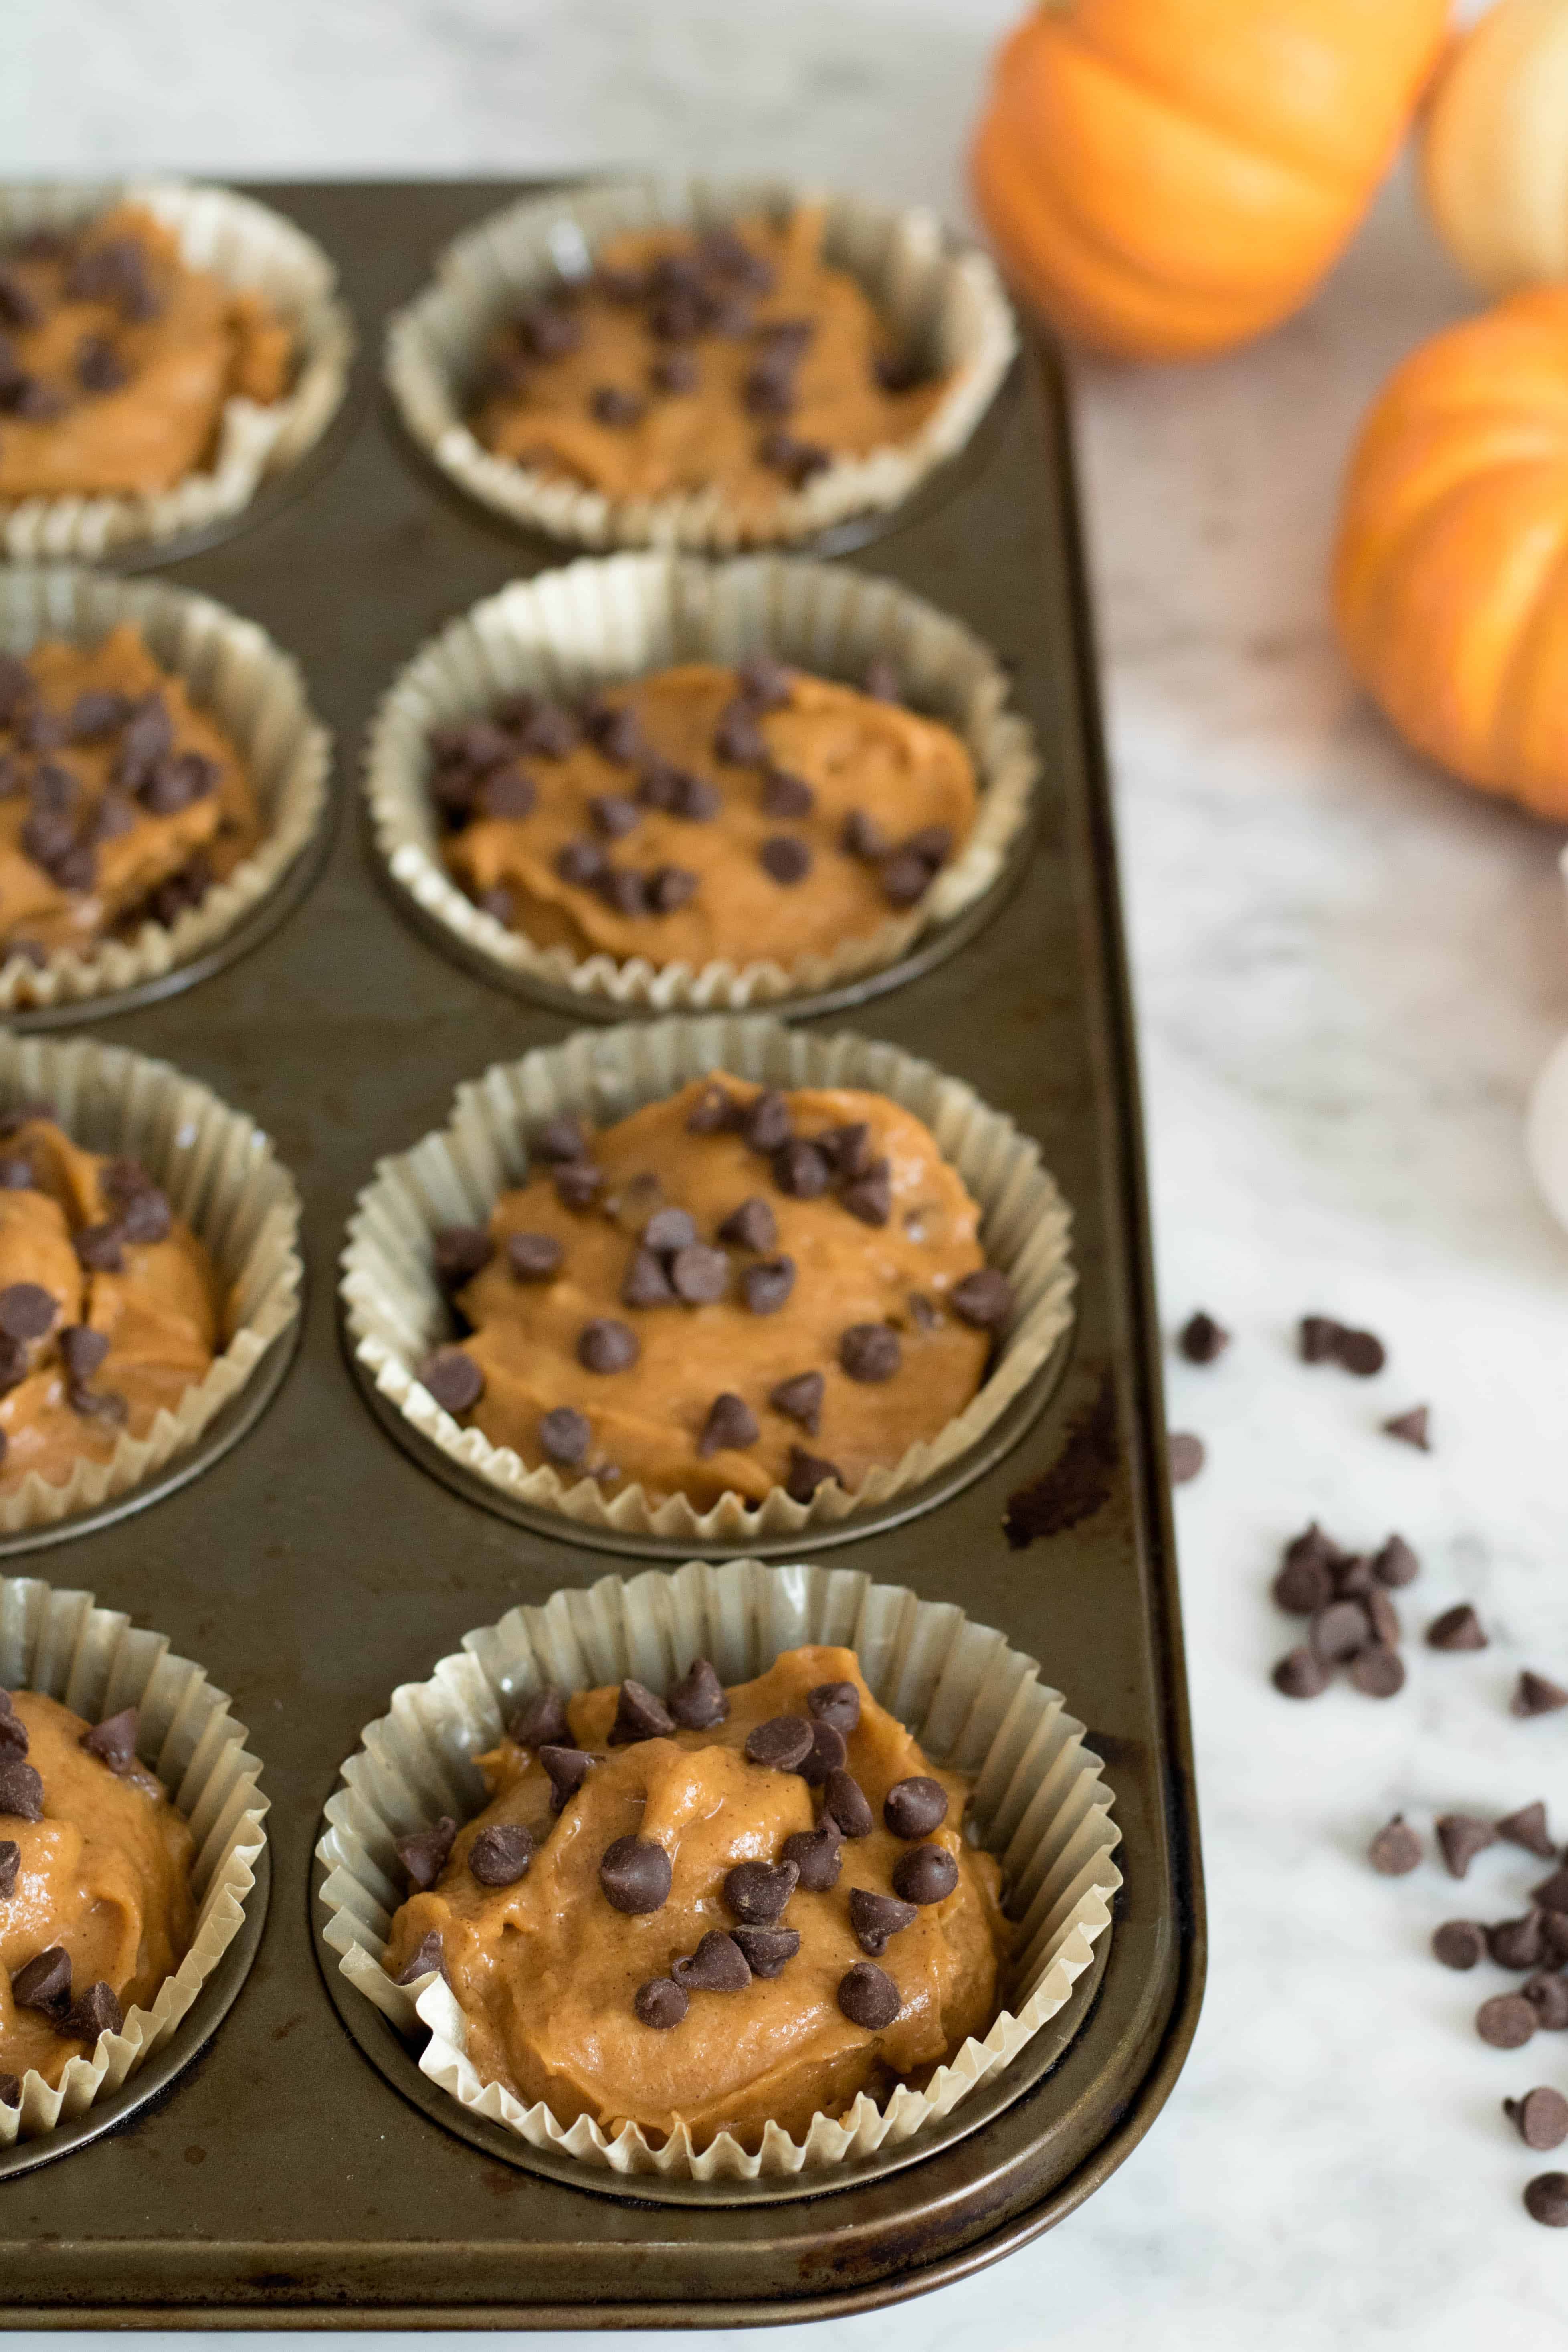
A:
{"x": 764, "y": 682}
{"x": 862, "y": 837}
{"x": 21, "y": 1788}
{"x": 460, "y": 1252}
{"x": 799, "y": 1399}
{"x": 1395, "y": 1564}
{"x": 675, "y": 372}
{"x": 904, "y": 879}
{"x": 614, "y": 815}
{"x": 801, "y": 1171}
{"x": 1547, "y": 1994}
{"x": 540, "y": 1720}
{"x": 1461, "y": 1837}
{"x": 797, "y": 461}
{"x": 97, "y": 714}
{"x": 714, "y": 1112}
{"x": 635, "y": 1874}
{"x": 817, "y": 1855}
{"x": 1377, "y": 1672}
{"x": 752, "y": 1226}
{"x": 1414, "y": 1427}
{"x": 424, "y": 1853}
{"x": 625, "y": 891}
{"x": 1540, "y": 2118}
{"x": 1458, "y": 1943}
{"x": 785, "y": 859}
{"x": 547, "y": 330}
{"x": 26, "y": 1310}
{"x": 1528, "y": 1828}
{"x": 580, "y": 862}
{"x": 1553, "y": 1892}
{"x": 697, "y": 1700}
{"x": 114, "y": 1741}
{"x": 1317, "y": 1337}
{"x": 845, "y": 1805}
{"x": 95, "y": 2011}
{"x": 984, "y": 1299}
{"x": 670, "y": 1229}
{"x": 662, "y": 784}
{"x": 660, "y": 2003}
{"x": 835, "y": 1702}
{"x": 1536, "y": 1696}
{"x": 869, "y": 1351}
{"x": 718, "y": 1964}
{"x": 605, "y": 1345}
{"x": 767, "y": 1951}
{"x": 83, "y": 1350}
{"x": 1457, "y": 1629}
{"x": 765, "y": 1122}
{"x": 502, "y": 1854}
{"x": 426, "y": 1957}
{"x": 1506, "y": 2022}
{"x": 564, "y": 1437}
{"x": 1361, "y": 1352}
{"x": 927, "y": 1873}
{"x": 639, "y": 1715}
{"x": 1202, "y": 1338}
{"x": 876, "y": 1919}
{"x": 766, "y": 1287}
{"x": 783, "y": 1742}
{"x": 670, "y": 888}
{"x": 700, "y": 1274}
{"x": 98, "y": 1248}
{"x": 10, "y": 1863}
{"x": 758, "y": 1892}
{"x": 870, "y": 1197}
{"x": 915, "y": 1807}
{"x": 1301, "y": 1673}
{"x": 787, "y": 796}
{"x": 534, "y": 1257}
{"x": 868, "y": 1996}
{"x": 567, "y": 1767}
{"x": 1516, "y": 1943}
{"x": 730, "y": 1424}
{"x": 647, "y": 1283}
{"x": 44, "y": 1982}
{"x": 807, "y": 1472}
{"x": 613, "y": 404}
{"x": 1396, "y": 1849}
{"x": 454, "y": 1380}
{"x": 738, "y": 740}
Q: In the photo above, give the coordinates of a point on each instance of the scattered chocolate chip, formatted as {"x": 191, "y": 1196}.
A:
{"x": 1528, "y": 1828}
{"x": 752, "y": 1226}
{"x": 1546, "y": 2199}
{"x": 1186, "y": 1455}
{"x": 44, "y": 1982}
{"x": 1301, "y": 1673}
{"x": 566, "y": 1767}
{"x": 1202, "y": 1338}
{"x": 1361, "y": 1352}
{"x": 1506, "y": 2022}
{"x": 426, "y": 1958}
{"x": 1547, "y": 1994}
{"x": 1553, "y": 1892}
{"x": 1412, "y": 1427}
{"x": 788, "y": 797}
{"x": 1378, "y": 1671}
{"x": 718, "y": 1964}
{"x": 1516, "y": 1943}
{"x": 869, "y": 1351}
{"x": 785, "y": 859}
{"x": 98, "y": 1250}
{"x": 1536, "y": 1696}
{"x": 927, "y": 1873}
{"x": 697, "y": 1700}
{"x": 844, "y": 1804}
{"x": 114, "y": 1741}
{"x": 1457, "y": 1629}
{"x": 765, "y": 1122}
{"x": 1396, "y": 1849}
{"x": 1318, "y": 1336}
{"x": 21, "y": 1789}
{"x": 639, "y": 1715}
{"x": 95, "y": 2011}
{"x": 1458, "y": 1943}
{"x": 758, "y": 1893}
{"x": 783, "y": 1742}
{"x": 1461, "y": 1837}
{"x": 766, "y": 1288}
{"x": 534, "y": 1257}
{"x": 807, "y": 1472}
{"x": 660, "y": 2003}
{"x": 454, "y": 1380}
{"x": 1540, "y": 2118}
{"x": 10, "y": 1863}
{"x": 868, "y": 1996}
{"x": 1395, "y": 1564}
{"x": 635, "y": 1874}
{"x": 730, "y": 1424}
{"x": 424, "y": 1853}
{"x": 817, "y": 1855}
{"x": 26, "y": 1310}
{"x": 914, "y": 1807}
{"x": 801, "y": 1171}
{"x": 540, "y": 1720}
{"x": 700, "y": 1274}
{"x": 605, "y": 1345}
{"x": 459, "y": 1252}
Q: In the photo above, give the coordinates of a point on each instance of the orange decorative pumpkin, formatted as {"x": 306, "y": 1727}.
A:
{"x": 1164, "y": 178}
{"x": 1451, "y": 570}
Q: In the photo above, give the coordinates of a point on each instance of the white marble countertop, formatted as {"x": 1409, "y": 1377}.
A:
{"x": 1349, "y": 972}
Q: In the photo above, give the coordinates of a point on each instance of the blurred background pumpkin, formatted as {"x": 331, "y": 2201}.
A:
{"x": 1494, "y": 147}
{"x": 1166, "y": 178}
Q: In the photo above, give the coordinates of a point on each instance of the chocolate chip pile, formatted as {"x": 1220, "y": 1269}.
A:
{"x": 1354, "y": 1622}
{"x": 47, "y": 271}
{"x": 636, "y": 1876}
{"x": 672, "y": 1265}
{"x": 479, "y": 769}
{"x": 44, "y": 1982}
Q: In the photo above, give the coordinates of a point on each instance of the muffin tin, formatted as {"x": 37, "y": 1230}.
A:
{"x": 284, "y": 2181}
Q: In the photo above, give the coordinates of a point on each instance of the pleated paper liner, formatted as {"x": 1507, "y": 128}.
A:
{"x": 395, "y": 1311}
{"x": 976, "y": 1706}
{"x": 944, "y": 301}
{"x": 234, "y": 671}
{"x": 221, "y": 1175}
{"x": 250, "y": 247}
{"x": 601, "y": 622}
{"x": 95, "y": 1662}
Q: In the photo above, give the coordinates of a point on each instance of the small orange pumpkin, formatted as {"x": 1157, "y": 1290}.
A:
{"x": 1164, "y": 178}
{"x": 1451, "y": 571}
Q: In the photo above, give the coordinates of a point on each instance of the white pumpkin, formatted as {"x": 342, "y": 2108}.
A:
{"x": 1494, "y": 147}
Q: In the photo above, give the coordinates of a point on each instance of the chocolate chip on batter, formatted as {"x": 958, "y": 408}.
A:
{"x": 454, "y": 1380}
{"x": 1301, "y": 1673}
{"x": 828, "y": 1755}
{"x": 799, "y": 1399}
{"x": 15, "y": 1173}
{"x": 98, "y": 1248}
{"x": 547, "y": 330}
{"x": 639, "y": 1715}
{"x": 647, "y": 1283}
{"x": 612, "y": 404}
{"x": 715, "y": 1112}
{"x": 1534, "y": 1694}
{"x": 766, "y": 1288}
{"x": 768, "y": 388}
{"x": 581, "y": 863}
{"x": 697, "y": 1700}
{"x": 10, "y": 1863}
{"x": 605, "y": 1345}
{"x": 114, "y": 1741}
{"x": 1458, "y": 1943}
{"x": 752, "y": 1226}
{"x": 26, "y": 1310}
{"x": 670, "y": 888}
{"x": 787, "y": 796}
{"x": 876, "y": 1919}
{"x": 534, "y": 1257}
{"x": 1396, "y": 1563}
{"x": 95, "y": 2011}
{"x": 764, "y": 682}
{"x": 807, "y": 1472}
{"x": 14, "y": 1366}
{"x": 784, "y": 858}
{"x": 623, "y": 890}
{"x": 700, "y": 1274}
{"x": 614, "y": 815}
{"x": 96, "y": 714}
{"x": 507, "y": 794}
{"x": 567, "y": 1768}
{"x": 44, "y": 1982}
{"x": 562, "y": 1140}
{"x": 797, "y": 461}
{"x": 635, "y": 1874}
{"x": 1528, "y": 1828}
{"x": 113, "y": 819}
{"x": 695, "y": 800}
{"x": 869, "y": 1351}
{"x": 801, "y": 1171}
{"x": 718, "y": 1964}
{"x": 660, "y": 2003}
{"x": 870, "y": 1196}
{"x": 835, "y": 1702}
{"x": 424, "y": 1853}
{"x": 540, "y": 1720}
{"x": 564, "y": 1437}
{"x": 758, "y": 1893}
{"x": 459, "y": 1253}
{"x": 904, "y": 879}
{"x": 927, "y": 1873}
{"x": 783, "y": 1742}
{"x": 984, "y": 1299}
{"x": 868, "y": 1996}
{"x": 766, "y": 1122}
{"x": 670, "y": 1229}
{"x": 817, "y": 1855}
{"x": 915, "y": 1807}
{"x": 105, "y": 1405}
{"x": 426, "y": 1957}
{"x": 766, "y": 1951}
{"x": 730, "y": 1424}
{"x": 844, "y": 1804}
{"x": 550, "y": 732}
{"x": 1413, "y": 1428}
{"x": 862, "y": 837}
{"x": 1457, "y": 1629}
{"x": 1461, "y": 1837}
{"x": 13, "y": 1730}
{"x": 737, "y": 738}
{"x": 1396, "y": 1849}
{"x": 675, "y": 372}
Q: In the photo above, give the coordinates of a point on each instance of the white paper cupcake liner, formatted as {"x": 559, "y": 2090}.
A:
{"x": 395, "y": 1311}
{"x": 250, "y": 247}
{"x": 244, "y": 682}
{"x": 221, "y": 1176}
{"x": 95, "y": 1662}
{"x": 944, "y": 301}
{"x": 602, "y": 621}
{"x": 976, "y": 1706}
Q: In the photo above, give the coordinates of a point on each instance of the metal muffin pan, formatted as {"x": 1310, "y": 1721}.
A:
{"x": 284, "y": 2180}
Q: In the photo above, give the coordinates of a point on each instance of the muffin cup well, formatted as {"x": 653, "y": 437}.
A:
{"x": 250, "y": 247}
{"x": 976, "y": 1705}
{"x": 242, "y": 680}
{"x": 395, "y": 1310}
{"x": 944, "y": 301}
{"x": 601, "y": 622}
{"x": 95, "y": 1662}
{"x": 221, "y": 1175}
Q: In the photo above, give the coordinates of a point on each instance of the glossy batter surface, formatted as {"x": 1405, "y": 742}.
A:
{"x": 646, "y": 1421}
{"x": 546, "y": 1971}
{"x": 117, "y": 358}
{"x": 105, "y": 1874}
{"x": 95, "y": 838}
{"x": 860, "y": 777}
{"x": 779, "y": 360}
{"x": 160, "y": 1309}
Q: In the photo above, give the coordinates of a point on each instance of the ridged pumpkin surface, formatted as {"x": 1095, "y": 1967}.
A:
{"x": 1168, "y": 177}
{"x": 1451, "y": 570}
